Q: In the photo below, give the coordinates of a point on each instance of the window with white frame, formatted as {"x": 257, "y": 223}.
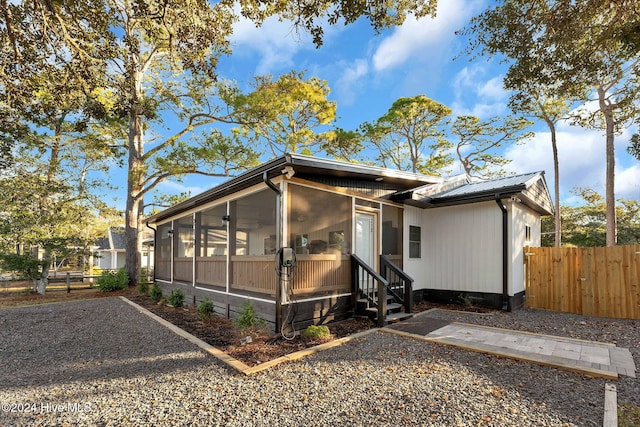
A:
{"x": 415, "y": 241}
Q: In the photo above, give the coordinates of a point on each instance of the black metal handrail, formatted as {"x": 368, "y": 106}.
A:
{"x": 400, "y": 283}
{"x": 368, "y": 283}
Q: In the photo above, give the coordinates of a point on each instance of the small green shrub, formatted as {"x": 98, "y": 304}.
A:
{"x": 317, "y": 332}
{"x": 176, "y": 298}
{"x": 156, "y": 292}
{"x": 205, "y": 309}
{"x": 110, "y": 281}
{"x": 465, "y": 300}
{"x": 248, "y": 318}
{"x": 143, "y": 286}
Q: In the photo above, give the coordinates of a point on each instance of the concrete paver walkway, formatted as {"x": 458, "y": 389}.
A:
{"x": 586, "y": 357}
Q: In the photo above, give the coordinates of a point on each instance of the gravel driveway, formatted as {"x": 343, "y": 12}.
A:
{"x": 100, "y": 362}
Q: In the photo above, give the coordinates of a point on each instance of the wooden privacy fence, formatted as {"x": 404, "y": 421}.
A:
{"x": 603, "y": 282}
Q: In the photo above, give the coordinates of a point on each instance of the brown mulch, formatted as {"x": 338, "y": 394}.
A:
{"x": 225, "y": 335}
{"x": 265, "y": 345}
{"x": 218, "y": 331}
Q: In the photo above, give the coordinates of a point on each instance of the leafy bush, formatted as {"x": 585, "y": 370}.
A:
{"x": 318, "y": 332}
{"x": 143, "y": 286}
{"x": 26, "y": 265}
{"x": 176, "y": 299}
{"x": 156, "y": 292}
{"x": 248, "y": 317}
{"x": 205, "y": 309}
{"x": 110, "y": 281}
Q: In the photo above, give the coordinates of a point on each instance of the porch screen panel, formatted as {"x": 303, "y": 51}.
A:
{"x": 320, "y": 233}
{"x": 252, "y": 236}
{"x": 163, "y": 250}
{"x": 184, "y": 247}
{"x": 211, "y": 263}
{"x": 392, "y": 233}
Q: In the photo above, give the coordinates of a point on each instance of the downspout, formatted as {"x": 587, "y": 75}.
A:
{"x": 272, "y": 186}
{"x": 155, "y": 230}
{"x": 505, "y": 254}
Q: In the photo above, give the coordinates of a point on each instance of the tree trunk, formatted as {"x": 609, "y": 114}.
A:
{"x": 134, "y": 206}
{"x": 610, "y": 199}
{"x": 556, "y": 185}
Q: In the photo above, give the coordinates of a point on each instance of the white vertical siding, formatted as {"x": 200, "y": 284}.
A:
{"x": 461, "y": 248}
{"x": 521, "y": 217}
{"x": 415, "y": 268}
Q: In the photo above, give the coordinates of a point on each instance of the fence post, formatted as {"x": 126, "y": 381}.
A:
{"x": 68, "y": 282}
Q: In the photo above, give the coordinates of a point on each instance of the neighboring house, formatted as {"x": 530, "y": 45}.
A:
{"x": 110, "y": 250}
{"x": 309, "y": 240}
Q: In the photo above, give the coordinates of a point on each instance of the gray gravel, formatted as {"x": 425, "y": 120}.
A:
{"x": 100, "y": 362}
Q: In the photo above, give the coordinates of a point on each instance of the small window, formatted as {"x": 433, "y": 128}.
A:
{"x": 527, "y": 233}
{"x": 415, "y": 238}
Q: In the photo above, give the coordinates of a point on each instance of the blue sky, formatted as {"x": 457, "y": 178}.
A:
{"x": 368, "y": 72}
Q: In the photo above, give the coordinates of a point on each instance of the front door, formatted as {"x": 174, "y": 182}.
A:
{"x": 365, "y": 242}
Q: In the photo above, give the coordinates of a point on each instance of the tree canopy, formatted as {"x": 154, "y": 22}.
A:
{"x": 411, "y": 136}
{"x": 158, "y": 59}
{"x": 585, "y": 225}
{"x": 283, "y": 114}
{"x": 579, "y": 50}
{"x": 477, "y": 142}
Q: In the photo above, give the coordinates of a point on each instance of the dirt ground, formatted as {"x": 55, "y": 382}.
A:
{"x": 14, "y": 299}
{"x": 217, "y": 331}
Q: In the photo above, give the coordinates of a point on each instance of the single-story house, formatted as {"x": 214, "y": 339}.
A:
{"x": 109, "y": 251}
{"x": 308, "y": 240}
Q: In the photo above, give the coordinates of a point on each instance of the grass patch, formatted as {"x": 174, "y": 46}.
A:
{"x": 628, "y": 415}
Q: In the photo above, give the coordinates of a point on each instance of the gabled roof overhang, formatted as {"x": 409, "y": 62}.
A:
{"x": 301, "y": 165}
{"x": 520, "y": 188}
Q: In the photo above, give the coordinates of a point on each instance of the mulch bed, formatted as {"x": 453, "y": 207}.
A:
{"x": 265, "y": 345}
{"x": 225, "y": 335}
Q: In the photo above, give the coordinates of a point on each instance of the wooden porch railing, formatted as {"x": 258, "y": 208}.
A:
{"x": 368, "y": 283}
{"x": 400, "y": 284}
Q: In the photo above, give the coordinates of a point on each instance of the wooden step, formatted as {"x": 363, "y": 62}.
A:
{"x": 391, "y": 308}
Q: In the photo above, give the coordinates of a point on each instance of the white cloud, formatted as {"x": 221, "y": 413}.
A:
{"x": 173, "y": 187}
{"x": 581, "y": 160}
{"x": 476, "y": 96}
{"x": 493, "y": 89}
{"x": 418, "y": 38}
{"x": 276, "y": 42}
{"x": 352, "y": 80}
{"x": 628, "y": 183}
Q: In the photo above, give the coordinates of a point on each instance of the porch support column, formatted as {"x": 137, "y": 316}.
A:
{"x": 279, "y": 241}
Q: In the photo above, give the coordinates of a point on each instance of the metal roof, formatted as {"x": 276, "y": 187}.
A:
{"x": 530, "y": 188}
{"x": 499, "y": 185}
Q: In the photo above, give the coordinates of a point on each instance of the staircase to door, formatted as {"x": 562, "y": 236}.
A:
{"x": 385, "y": 297}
